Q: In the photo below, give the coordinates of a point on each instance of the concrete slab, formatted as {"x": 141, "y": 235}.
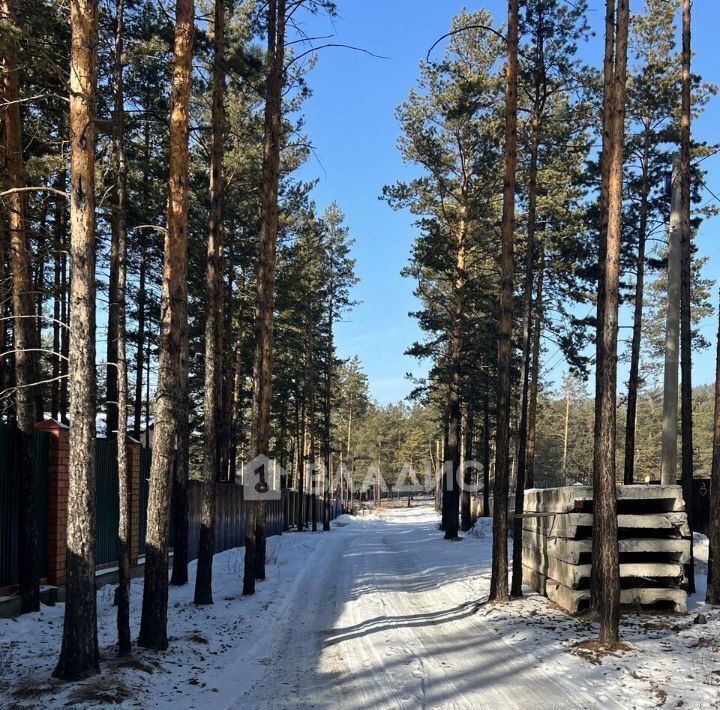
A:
{"x": 574, "y": 576}
{"x": 676, "y": 549}
{"x": 575, "y": 600}
{"x": 568, "y": 498}
{"x": 568, "y": 525}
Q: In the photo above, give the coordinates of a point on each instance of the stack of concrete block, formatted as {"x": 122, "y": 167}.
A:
{"x": 654, "y": 542}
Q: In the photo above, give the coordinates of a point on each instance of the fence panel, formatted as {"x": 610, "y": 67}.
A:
{"x": 145, "y": 460}
{"x": 10, "y": 467}
{"x": 107, "y": 499}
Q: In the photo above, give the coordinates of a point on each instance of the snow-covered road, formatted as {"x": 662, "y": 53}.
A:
{"x": 379, "y": 613}
{"x": 386, "y": 615}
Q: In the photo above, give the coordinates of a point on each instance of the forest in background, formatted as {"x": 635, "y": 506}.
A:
{"x": 541, "y": 192}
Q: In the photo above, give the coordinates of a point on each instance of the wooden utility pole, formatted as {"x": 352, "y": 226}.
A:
{"x": 668, "y": 471}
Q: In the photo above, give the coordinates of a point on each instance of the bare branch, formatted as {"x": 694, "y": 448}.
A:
{"x": 333, "y": 44}
{"x": 54, "y": 190}
{"x": 454, "y": 32}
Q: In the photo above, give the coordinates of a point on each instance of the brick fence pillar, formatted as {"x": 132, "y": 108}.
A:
{"x": 58, "y": 484}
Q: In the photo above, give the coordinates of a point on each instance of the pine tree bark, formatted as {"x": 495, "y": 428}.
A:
{"x": 686, "y": 416}
{"x": 301, "y": 468}
{"x": 605, "y": 556}
{"x": 468, "y": 454}
{"x": 263, "y": 365}
{"x": 312, "y": 468}
{"x": 153, "y": 624}
{"x": 64, "y": 338}
{"x": 141, "y": 300}
{"x": 521, "y": 479}
{"x": 451, "y": 464}
{"x": 538, "y": 312}
{"x": 712, "y": 595}
{"x": 24, "y": 328}
{"x": 633, "y": 380}
{"x": 486, "y": 454}
{"x": 326, "y": 415}
{"x": 59, "y": 229}
{"x": 4, "y": 285}
{"x": 181, "y": 471}
{"x": 119, "y": 255}
{"x": 79, "y": 652}
{"x": 214, "y": 320}
{"x": 499, "y": 578}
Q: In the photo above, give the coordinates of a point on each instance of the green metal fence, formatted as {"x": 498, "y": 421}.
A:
{"x": 10, "y": 467}
{"x": 230, "y": 526}
{"x": 145, "y": 461}
{"x": 107, "y": 499}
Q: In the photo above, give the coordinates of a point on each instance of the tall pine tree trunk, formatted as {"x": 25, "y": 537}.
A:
{"x": 79, "y": 653}
{"x": 605, "y": 557}
{"x": 4, "y": 285}
{"x": 686, "y": 416}
{"x": 153, "y": 625}
{"x": 119, "y": 254}
{"x": 451, "y": 464}
{"x": 520, "y": 483}
{"x": 181, "y": 470}
{"x": 633, "y": 380}
{"x": 64, "y": 337}
{"x": 713, "y": 578}
{"x": 327, "y": 419}
{"x": 58, "y": 245}
{"x": 24, "y": 327}
{"x": 535, "y": 370}
{"x": 262, "y": 369}
{"x": 499, "y": 578}
{"x": 486, "y": 453}
{"x": 468, "y": 454}
{"x": 141, "y": 300}
{"x": 214, "y": 320}
{"x": 301, "y": 468}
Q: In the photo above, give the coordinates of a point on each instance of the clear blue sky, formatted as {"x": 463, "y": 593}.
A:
{"x": 352, "y": 127}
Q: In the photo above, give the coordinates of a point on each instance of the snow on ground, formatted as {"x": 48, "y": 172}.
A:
{"x": 381, "y": 612}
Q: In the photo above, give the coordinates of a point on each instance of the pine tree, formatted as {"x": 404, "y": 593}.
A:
{"x": 118, "y": 292}
{"x": 686, "y": 283}
{"x": 25, "y": 331}
{"x": 213, "y": 379}
{"x": 499, "y": 580}
{"x": 606, "y": 567}
{"x": 169, "y": 408}
{"x": 79, "y": 653}
{"x": 450, "y": 130}
{"x": 262, "y": 368}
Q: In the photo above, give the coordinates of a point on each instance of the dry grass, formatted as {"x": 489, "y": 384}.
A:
{"x": 30, "y": 688}
{"x": 272, "y": 556}
{"x": 197, "y": 637}
{"x": 136, "y": 664}
{"x": 593, "y": 651}
{"x": 107, "y": 689}
{"x": 712, "y": 644}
